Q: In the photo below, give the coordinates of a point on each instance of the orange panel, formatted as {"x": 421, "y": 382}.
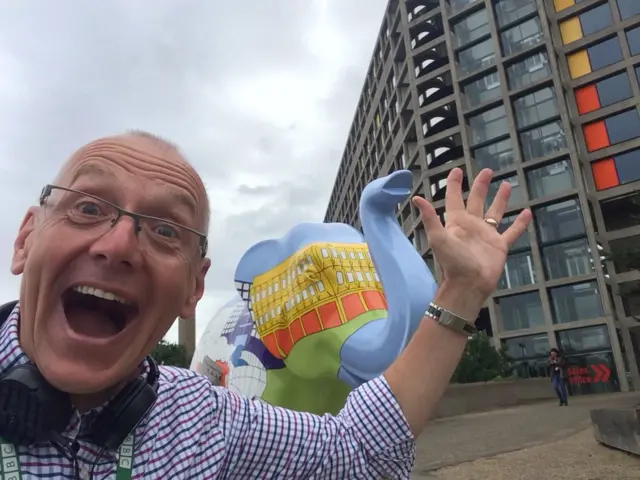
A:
{"x": 311, "y": 322}
{"x": 284, "y": 341}
{"x": 329, "y": 315}
{"x": 374, "y": 300}
{"x": 596, "y": 136}
{"x": 352, "y": 306}
{"x": 270, "y": 342}
{"x": 296, "y": 330}
{"x": 605, "y": 174}
{"x": 587, "y": 99}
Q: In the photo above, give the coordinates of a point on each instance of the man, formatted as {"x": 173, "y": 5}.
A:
{"x": 102, "y": 285}
{"x": 556, "y": 365}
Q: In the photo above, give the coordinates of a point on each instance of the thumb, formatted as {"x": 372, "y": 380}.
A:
{"x": 430, "y": 219}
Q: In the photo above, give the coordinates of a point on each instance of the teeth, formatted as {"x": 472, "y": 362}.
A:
{"x": 96, "y": 292}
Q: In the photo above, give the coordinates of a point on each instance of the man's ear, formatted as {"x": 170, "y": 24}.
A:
{"x": 22, "y": 243}
{"x": 189, "y": 308}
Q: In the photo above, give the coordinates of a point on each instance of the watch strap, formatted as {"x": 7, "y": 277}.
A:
{"x": 450, "y": 320}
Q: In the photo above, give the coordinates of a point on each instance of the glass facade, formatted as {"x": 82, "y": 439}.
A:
{"x": 545, "y": 95}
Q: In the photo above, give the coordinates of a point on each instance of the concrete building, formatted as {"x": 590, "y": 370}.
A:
{"x": 545, "y": 93}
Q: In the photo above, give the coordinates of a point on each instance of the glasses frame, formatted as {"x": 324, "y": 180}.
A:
{"x": 203, "y": 240}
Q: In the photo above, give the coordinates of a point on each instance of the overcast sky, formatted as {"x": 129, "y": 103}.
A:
{"x": 259, "y": 94}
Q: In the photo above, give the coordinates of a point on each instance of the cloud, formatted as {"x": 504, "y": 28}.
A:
{"x": 259, "y": 96}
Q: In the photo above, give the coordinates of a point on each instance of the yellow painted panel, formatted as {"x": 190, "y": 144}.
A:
{"x": 579, "y": 64}
{"x": 571, "y": 30}
{"x": 562, "y": 4}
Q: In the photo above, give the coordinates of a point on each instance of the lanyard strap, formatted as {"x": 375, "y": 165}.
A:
{"x": 10, "y": 461}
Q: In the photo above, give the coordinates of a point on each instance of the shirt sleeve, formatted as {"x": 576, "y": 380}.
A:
{"x": 370, "y": 438}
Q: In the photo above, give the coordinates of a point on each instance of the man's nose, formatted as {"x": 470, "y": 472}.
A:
{"x": 119, "y": 245}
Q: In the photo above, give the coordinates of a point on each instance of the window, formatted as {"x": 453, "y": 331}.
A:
{"x": 521, "y": 36}
{"x": 488, "y": 125}
{"x": 459, "y": 4}
{"x": 559, "y": 221}
{"x": 628, "y": 166}
{"x": 521, "y": 311}
{"x": 586, "y": 339}
{"x": 529, "y": 354}
{"x": 618, "y": 170}
{"x": 576, "y": 302}
{"x": 536, "y": 107}
{"x": 605, "y": 53}
{"x": 612, "y": 130}
{"x": 588, "y": 22}
{"x": 482, "y": 90}
{"x": 567, "y": 259}
{"x": 528, "y": 71}
{"x": 628, "y": 8}
{"x": 518, "y": 271}
{"x": 516, "y": 191}
{"x": 496, "y": 156}
{"x": 633, "y": 37}
{"x": 551, "y": 179}
{"x": 542, "y": 141}
{"x": 509, "y": 11}
{"x": 523, "y": 240}
{"x": 603, "y": 93}
{"x": 471, "y": 28}
{"x": 481, "y": 55}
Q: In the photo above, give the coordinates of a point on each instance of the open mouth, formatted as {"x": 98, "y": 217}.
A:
{"x": 97, "y": 313}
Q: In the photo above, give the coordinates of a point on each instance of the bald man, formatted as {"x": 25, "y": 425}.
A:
{"x": 113, "y": 253}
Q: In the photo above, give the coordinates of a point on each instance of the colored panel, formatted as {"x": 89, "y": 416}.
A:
{"x": 571, "y": 30}
{"x": 595, "y": 135}
{"x": 605, "y": 174}
{"x": 579, "y": 64}
{"x": 296, "y": 331}
{"x": 587, "y": 99}
{"x": 562, "y": 4}
{"x": 352, "y": 306}
{"x": 329, "y": 315}
{"x": 284, "y": 341}
{"x": 375, "y": 300}
{"x": 311, "y": 323}
{"x": 271, "y": 344}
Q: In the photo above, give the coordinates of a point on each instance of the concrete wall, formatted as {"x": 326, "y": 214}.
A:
{"x": 481, "y": 397}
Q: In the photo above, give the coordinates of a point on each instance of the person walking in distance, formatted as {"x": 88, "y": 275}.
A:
{"x": 557, "y": 365}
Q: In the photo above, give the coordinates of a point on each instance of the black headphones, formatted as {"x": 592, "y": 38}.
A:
{"x": 33, "y": 411}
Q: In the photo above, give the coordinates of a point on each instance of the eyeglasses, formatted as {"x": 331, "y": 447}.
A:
{"x": 87, "y": 211}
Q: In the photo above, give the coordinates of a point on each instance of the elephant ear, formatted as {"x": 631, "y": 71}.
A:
{"x": 255, "y": 261}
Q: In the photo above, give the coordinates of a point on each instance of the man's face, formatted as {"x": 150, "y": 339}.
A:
{"x": 82, "y": 343}
{"x": 554, "y": 354}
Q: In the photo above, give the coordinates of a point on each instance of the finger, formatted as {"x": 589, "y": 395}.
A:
{"x": 518, "y": 227}
{"x": 453, "y": 196}
{"x": 500, "y": 202}
{"x": 478, "y": 194}
{"x": 429, "y": 216}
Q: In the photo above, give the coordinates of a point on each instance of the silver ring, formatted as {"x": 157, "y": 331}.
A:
{"x": 491, "y": 221}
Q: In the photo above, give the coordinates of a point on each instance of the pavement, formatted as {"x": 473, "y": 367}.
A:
{"x": 467, "y": 438}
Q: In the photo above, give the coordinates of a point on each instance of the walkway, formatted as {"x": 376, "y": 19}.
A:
{"x": 451, "y": 441}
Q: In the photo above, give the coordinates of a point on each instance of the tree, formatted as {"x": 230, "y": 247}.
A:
{"x": 481, "y": 362}
{"x": 169, "y": 353}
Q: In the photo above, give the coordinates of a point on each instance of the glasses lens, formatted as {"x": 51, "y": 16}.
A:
{"x": 80, "y": 209}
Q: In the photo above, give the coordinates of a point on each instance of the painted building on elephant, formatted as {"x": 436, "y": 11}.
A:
{"x": 545, "y": 93}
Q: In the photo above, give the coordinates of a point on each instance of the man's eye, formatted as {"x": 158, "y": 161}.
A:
{"x": 166, "y": 231}
{"x": 89, "y": 208}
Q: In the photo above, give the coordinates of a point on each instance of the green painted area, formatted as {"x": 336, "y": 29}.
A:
{"x": 310, "y": 381}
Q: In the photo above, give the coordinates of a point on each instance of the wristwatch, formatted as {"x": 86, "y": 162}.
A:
{"x": 450, "y": 320}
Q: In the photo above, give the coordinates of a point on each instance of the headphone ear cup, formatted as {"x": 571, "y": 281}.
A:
{"x": 30, "y": 408}
{"x": 123, "y": 414}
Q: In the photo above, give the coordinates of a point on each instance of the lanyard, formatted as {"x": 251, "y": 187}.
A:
{"x": 10, "y": 461}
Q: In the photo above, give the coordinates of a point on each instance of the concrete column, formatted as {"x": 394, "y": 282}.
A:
{"x": 187, "y": 334}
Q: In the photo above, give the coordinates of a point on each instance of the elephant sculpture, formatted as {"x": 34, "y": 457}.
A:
{"x": 322, "y": 309}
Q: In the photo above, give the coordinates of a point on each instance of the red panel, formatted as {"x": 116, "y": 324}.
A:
{"x": 352, "y": 306}
{"x": 284, "y": 341}
{"x": 311, "y": 322}
{"x": 329, "y": 315}
{"x": 596, "y": 136}
{"x": 587, "y": 99}
{"x": 605, "y": 174}
{"x": 374, "y": 299}
{"x": 296, "y": 330}
{"x": 271, "y": 344}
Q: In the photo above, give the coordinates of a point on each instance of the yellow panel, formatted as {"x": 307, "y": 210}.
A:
{"x": 562, "y": 4}
{"x": 579, "y": 64}
{"x": 571, "y": 30}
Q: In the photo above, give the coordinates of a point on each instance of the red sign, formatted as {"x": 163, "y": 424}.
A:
{"x": 596, "y": 374}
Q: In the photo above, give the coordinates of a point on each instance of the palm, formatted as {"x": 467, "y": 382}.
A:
{"x": 469, "y": 249}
